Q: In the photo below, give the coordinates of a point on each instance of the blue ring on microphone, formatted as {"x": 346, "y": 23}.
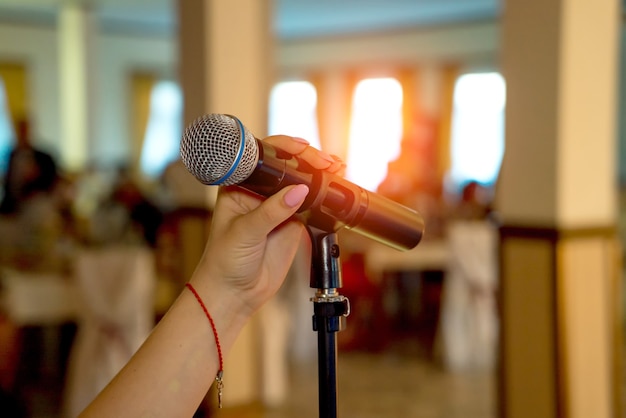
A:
{"x": 239, "y": 153}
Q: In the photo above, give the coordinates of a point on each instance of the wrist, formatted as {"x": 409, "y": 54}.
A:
{"x": 227, "y": 310}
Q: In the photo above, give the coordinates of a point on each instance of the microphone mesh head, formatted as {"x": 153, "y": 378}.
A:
{"x": 218, "y": 149}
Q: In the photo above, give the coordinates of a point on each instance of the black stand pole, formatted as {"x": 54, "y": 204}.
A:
{"x": 330, "y": 309}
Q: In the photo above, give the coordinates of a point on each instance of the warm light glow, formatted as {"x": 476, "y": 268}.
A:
{"x": 375, "y": 131}
{"x": 293, "y": 111}
{"x": 477, "y": 128}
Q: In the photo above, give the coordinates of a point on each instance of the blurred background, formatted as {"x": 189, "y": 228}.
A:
{"x": 510, "y": 306}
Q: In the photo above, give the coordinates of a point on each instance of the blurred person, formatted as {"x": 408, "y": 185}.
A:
{"x": 39, "y": 236}
{"x": 143, "y": 213}
{"x": 29, "y": 171}
{"x": 250, "y": 249}
{"x": 93, "y": 186}
{"x": 411, "y": 295}
{"x": 35, "y": 214}
{"x": 412, "y": 177}
{"x": 36, "y": 244}
{"x": 126, "y": 215}
{"x": 115, "y": 282}
{"x": 473, "y": 203}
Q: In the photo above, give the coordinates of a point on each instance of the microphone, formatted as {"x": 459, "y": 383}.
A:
{"x": 218, "y": 150}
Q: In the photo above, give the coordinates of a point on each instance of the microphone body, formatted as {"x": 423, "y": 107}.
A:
{"x": 267, "y": 169}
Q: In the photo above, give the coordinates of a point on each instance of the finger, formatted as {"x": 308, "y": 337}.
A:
{"x": 300, "y": 148}
{"x": 276, "y": 209}
{"x": 293, "y": 145}
{"x": 317, "y": 159}
{"x": 338, "y": 167}
{"x": 232, "y": 202}
{"x": 284, "y": 245}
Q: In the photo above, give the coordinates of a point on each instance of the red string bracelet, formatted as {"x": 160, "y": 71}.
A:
{"x": 220, "y": 372}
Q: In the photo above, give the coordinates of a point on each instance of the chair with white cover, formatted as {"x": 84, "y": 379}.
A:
{"x": 469, "y": 319}
{"x": 116, "y": 294}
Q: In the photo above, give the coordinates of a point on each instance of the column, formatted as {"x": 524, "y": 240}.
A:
{"x": 226, "y": 59}
{"x": 76, "y": 32}
{"x": 559, "y": 260}
{"x": 226, "y": 49}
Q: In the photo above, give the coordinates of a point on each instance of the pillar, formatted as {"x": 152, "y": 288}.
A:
{"x": 226, "y": 67}
{"x": 334, "y": 98}
{"x": 226, "y": 59}
{"x": 76, "y": 34}
{"x": 559, "y": 259}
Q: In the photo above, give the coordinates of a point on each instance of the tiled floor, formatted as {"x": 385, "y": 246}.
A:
{"x": 399, "y": 382}
{"x": 395, "y": 383}
{"x": 391, "y": 385}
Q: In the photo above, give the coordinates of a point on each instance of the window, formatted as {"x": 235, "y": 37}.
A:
{"x": 7, "y": 134}
{"x": 477, "y": 128}
{"x": 293, "y": 111}
{"x": 375, "y": 131}
{"x": 162, "y": 140}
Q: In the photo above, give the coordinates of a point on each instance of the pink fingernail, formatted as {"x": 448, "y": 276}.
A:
{"x": 300, "y": 140}
{"x": 296, "y": 195}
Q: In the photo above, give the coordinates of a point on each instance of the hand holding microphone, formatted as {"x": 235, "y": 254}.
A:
{"x": 247, "y": 256}
{"x": 250, "y": 249}
{"x": 219, "y": 150}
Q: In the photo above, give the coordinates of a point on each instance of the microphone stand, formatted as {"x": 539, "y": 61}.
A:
{"x": 330, "y": 310}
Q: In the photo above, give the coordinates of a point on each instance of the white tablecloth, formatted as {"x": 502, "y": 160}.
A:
{"x": 428, "y": 255}
{"x": 38, "y": 298}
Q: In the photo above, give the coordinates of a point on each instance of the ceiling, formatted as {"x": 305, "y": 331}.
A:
{"x": 294, "y": 18}
{"x": 302, "y": 18}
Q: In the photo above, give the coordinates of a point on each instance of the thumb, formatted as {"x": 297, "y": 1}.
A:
{"x": 278, "y": 208}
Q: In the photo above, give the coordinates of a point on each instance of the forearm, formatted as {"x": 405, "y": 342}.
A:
{"x": 247, "y": 257}
{"x": 171, "y": 373}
